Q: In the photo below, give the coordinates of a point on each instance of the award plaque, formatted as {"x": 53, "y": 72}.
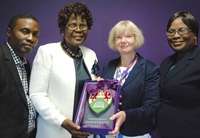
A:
{"x": 98, "y": 102}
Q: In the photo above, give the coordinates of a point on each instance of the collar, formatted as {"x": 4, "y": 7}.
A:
{"x": 16, "y": 58}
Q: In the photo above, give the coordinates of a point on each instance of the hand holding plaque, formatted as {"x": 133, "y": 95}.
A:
{"x": 99, "y": 101}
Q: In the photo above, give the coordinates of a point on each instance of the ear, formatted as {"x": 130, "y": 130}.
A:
{"x": 195, "y": 41}
{"x": 9, "y": 32}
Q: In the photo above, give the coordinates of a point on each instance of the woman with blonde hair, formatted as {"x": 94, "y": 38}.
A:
{"x": 139, "y": 81}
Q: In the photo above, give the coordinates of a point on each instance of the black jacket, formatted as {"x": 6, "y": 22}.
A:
{"x": 140, "y": 95}
{"x": 179, "y": 114}
{"x": 13, "y": 104}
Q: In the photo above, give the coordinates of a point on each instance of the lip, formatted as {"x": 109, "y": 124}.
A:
{"x": 78, "y": 37}
{"x": 123, "y": 46}
{"x": 176, "y": 43}
{"x": 28, "y": 45}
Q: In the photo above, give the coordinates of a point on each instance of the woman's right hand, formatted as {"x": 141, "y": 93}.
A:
{"x": 74, "y": 129}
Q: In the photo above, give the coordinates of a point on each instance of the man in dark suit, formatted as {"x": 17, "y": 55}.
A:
{"x": 17, "y": 113}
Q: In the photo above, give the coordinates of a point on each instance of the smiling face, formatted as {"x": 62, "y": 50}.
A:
{"x": 125, "y": 43}
{"x": 180, "y": 43}
{"x": 24, "y": 36}
{"x": 75, "y": 37}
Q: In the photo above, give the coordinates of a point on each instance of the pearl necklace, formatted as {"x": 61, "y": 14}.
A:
{"x": 70, "y": 52}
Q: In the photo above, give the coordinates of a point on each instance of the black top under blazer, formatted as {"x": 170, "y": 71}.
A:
{"x": 13, "y": 104}
{"x": 179, "y": 114}
{"x": 140, "y": 95}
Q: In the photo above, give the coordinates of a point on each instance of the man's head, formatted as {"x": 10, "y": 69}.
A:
{"x": 23, "y": 33}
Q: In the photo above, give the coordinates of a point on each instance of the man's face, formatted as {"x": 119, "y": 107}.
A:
{"x": 24, "y": 36}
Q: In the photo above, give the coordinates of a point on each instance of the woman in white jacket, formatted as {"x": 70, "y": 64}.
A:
{"x": 58, "y": 74}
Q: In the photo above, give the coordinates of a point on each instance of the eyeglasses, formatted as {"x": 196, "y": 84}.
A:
{"x": 74, "y": 26}
{"x": 180, "y": 31}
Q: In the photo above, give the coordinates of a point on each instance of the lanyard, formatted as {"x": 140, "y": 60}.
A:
{"x": 126, "y": 71}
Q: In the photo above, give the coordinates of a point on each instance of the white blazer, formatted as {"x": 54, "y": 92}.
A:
{"x": 52, "y": 87}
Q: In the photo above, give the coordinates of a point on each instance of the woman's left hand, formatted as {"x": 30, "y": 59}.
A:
{"x": 120, "y": 118}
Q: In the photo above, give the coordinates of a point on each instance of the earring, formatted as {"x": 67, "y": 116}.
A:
{"x": 195, "y": 41}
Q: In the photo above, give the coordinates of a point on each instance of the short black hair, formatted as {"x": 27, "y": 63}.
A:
{"x": 188, "y": 19}
{"x": 14, "y": 19}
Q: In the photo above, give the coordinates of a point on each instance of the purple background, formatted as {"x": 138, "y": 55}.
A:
{"x": 150, "y": 16}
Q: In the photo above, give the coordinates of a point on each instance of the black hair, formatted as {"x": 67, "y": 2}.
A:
{"x": 13, "y": 20}
{"x": 76, "y": 9}
{"x": 188, "y": 19}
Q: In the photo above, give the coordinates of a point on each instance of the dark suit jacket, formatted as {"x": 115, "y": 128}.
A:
{"x": 13, "y": 104}
{"x": 140, "y": 95}
{"x": 179, "y": 114}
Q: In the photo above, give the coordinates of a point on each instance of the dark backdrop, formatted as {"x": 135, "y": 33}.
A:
{"x": 150, "y": 16}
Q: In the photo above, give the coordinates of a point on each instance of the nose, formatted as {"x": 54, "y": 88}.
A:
{"x": 31, "y": 38}
{"x": 176, "y": 34}
{"x": 123, "y": 41}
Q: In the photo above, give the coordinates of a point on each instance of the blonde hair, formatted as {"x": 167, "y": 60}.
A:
{"x": 120, "y": 28}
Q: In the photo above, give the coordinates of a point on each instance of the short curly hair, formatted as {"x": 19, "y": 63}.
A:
{"x": 78, "y": 9}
